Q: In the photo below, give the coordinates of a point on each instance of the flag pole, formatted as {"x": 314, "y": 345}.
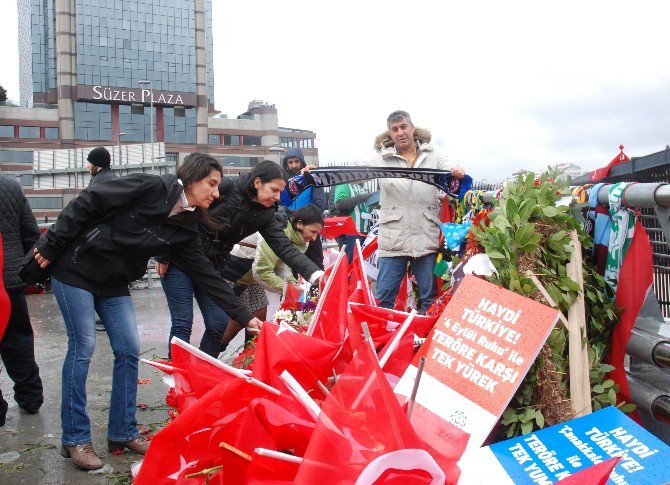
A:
{"x": 226, "y": 368}
{"x": 366, "y": 284}
{"x": 300, "y": 394}
{"x": 396, "y": 339}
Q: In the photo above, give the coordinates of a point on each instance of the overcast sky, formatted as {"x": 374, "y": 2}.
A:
{"x": 501, "y": 85}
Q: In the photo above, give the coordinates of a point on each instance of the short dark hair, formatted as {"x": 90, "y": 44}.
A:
{"x": 398, "y": 115}
{"x": 309, "y": 214}
{"x": 196, "y": 166}
{"x": 266, "y": 171}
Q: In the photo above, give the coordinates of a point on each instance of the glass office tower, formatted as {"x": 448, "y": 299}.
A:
{"x": 90, "y": 56}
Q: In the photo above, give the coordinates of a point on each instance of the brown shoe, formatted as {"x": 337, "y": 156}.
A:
{"x": 82, "y": 456}
{"x": 139, "y": 445}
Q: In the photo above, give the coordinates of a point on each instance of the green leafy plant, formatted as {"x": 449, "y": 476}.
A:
{"x": 529, "y": 233}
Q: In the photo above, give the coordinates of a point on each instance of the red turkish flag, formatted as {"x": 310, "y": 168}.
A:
{"x": 382, "y": 322}
{"x": 190, "y": 443}
{"x": 358, "y": 280}
{"x": 401, "y": 299}
{"x": 291, "y": 297}
{"x": 306, "y": 358}
{"x": 363, "y": 434}
{"x": 636, "y": 281}
{"x": 597, "y": 474}
{"x": 603, "y": 172}
{"x": 194, "y": 373}
{"x": 329, "y": 321}
{"x": 263, "y": 470}
{"x": 338, "y": 226}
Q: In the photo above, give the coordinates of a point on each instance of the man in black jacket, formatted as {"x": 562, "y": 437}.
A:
{"x": 19, "y": 232}
{"x": 98, "y": 164}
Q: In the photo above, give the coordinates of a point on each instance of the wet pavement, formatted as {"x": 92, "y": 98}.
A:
{"x": 30, "y": 444}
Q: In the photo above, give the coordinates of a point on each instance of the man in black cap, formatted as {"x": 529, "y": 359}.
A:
{"x": 98, "y": 164}
{"x": 99, "y": 160}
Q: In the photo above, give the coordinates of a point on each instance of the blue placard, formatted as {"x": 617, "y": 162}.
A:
{"x": 548, "y": 455}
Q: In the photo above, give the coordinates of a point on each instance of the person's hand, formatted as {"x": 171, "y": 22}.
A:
{"x": 161, "y": 268}
{"x": 41, "y": 260}
{"x": 254, "y": 325}
{"x": 307, "y": 169}
{"x": 457, "y": 171}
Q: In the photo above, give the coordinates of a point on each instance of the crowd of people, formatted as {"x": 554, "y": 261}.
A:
{"x": 232, "y": 244}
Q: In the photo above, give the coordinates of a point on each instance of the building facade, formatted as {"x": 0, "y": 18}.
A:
{"x": 118, "y": 72}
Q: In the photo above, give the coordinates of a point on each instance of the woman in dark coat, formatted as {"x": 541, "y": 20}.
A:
{"x": 247, "y": 205}
{"x": 101, "y": 242}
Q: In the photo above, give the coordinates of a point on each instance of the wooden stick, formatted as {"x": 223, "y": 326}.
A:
{"x": 234, "y": 450}
{"x": 580, "y": 386}
{"x": 545, "y": 294}
{"x": 206, "y": 471}
{"x": 417, "y": 379}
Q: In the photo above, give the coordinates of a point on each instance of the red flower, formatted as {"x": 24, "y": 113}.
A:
{"x": 171, "y": 398}
{"x": 143, "y": 381}
{"x": 142, "y": 405}
{"x": 117, "y": 452}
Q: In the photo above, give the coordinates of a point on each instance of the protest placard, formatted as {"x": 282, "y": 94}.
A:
{"x": 477, "y": 355}
{"x": 549, "y": 455}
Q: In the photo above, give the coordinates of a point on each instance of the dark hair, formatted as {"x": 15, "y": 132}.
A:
{"x": 267, "y": 171}
{"x": 309, "y": 214}
{"x": 396, "y": 116}
{"x": 196, "y": 166}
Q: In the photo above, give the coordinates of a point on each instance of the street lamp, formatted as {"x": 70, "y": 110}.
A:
{"x": 123, "y": 133}
{"x": 151, "y": 113}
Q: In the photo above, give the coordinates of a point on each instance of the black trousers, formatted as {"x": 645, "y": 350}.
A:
{"x": 17, "y": 350}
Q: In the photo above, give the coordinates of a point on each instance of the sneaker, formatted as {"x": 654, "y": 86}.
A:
{"x": 99, "y": 327}
{"x": 83, "y": 456}
{"x": 139, "y": 445}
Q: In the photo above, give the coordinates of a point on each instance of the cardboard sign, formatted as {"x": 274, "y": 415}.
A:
{"x": 477, "y": 355}
{"x": 551, "y": 454}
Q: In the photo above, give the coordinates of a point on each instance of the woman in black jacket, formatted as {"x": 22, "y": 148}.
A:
{"x": 247, "y": 205}
{"x": 102, "y": 241}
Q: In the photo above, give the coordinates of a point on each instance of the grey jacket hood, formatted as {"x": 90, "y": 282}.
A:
{"x": 293, "y": 152}
{"x": 384, "y": 140}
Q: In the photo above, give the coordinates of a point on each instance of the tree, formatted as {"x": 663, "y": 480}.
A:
{"x": 3, "y": 94}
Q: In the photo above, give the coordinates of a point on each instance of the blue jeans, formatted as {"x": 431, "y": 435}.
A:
{"x": 118, "y": 316}
{"x": 391, "y": 272}
{"x": 350, "y": 241}
{"x": 179, "y": 291}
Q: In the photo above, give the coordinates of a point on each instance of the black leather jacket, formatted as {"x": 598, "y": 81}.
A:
{"x": 239, "y": 217}
{"x": 104, "y": 238}
{"x": 18, "y": 228}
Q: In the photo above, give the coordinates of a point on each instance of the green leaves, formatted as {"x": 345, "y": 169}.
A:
{"x": 528, "y": 231}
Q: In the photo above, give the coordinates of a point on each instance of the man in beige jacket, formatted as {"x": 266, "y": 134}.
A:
{"x": 409, "y": 222}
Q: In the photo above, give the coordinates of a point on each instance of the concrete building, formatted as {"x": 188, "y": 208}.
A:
{"x": 119, "y": 72}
